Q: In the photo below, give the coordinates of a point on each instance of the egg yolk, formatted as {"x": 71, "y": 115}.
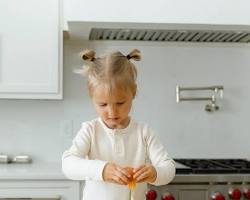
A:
{"x": 132, "y": 183}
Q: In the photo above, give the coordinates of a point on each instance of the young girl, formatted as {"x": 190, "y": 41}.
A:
{"x": 105, "y": 149}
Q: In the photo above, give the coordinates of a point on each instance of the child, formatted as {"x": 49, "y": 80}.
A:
{"x": 105, "y": 149}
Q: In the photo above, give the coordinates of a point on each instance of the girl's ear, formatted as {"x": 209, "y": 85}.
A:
{"x": 134, "y": 90}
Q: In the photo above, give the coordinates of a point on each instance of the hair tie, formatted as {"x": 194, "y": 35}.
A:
{"x": 92, "y": 59}
{"x": 128, "y": 57}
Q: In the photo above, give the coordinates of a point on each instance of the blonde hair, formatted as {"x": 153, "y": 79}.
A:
{"x": 114, "y": 70}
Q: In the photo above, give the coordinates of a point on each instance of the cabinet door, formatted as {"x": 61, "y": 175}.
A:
{"x": 30, "y": 49}
{"x": 159, "y": 11}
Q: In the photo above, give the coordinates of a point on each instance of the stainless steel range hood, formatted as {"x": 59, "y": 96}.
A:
{"x": 169, "y": 35}
{"x": 159, "y": 32}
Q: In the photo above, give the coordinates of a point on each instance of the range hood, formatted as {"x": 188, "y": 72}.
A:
{"x": 161, "y": 32}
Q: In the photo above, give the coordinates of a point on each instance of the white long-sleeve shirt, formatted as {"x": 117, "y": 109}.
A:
{"x": 95, "y": 144}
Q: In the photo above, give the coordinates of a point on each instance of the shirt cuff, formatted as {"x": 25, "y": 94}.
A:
{"x": 165, "y": 174}
{"x": 99, "y": 168}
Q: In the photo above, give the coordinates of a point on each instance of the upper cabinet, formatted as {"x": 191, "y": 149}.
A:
{"x": 31, "y": 49}
{"x": 160, "y": 11}
{"x": 159, "y": 20}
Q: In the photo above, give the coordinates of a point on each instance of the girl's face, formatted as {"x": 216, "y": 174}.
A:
{"x": 113, "y": 108}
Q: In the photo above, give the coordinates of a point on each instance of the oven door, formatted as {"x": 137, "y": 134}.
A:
{"x": 194, "y": 194}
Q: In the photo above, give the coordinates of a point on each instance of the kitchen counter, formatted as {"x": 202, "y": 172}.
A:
{"x": 32, "y": 171}
{"x": 52, "y": 171}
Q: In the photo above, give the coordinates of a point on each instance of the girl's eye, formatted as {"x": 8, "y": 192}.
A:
{"x": 120, "y": 103}
{"x": 103, "y": 104}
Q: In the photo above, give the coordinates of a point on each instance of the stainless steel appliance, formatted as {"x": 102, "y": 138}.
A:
{"x": 206, "y": 179}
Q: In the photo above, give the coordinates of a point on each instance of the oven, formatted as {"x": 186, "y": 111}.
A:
{"x": 206, "y": 179}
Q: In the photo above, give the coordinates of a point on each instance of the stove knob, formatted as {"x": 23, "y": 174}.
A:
{"x": 217, "y": 196}
{"x": 167, "y": 196}
{"x": 234, "y": 194}
{"x": 151, "y": 195}
{"x": 247, "y": 193}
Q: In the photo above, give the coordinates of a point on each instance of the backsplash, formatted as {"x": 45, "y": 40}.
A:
{"x": 44, "y": 128}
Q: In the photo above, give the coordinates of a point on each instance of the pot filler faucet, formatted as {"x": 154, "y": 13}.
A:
{"x": 210, "y": 107}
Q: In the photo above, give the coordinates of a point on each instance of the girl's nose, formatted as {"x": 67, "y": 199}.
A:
{"x": 112, "y": 111}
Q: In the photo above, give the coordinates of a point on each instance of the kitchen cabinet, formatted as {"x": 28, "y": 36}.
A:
{"x": 40, "y": 189}
{"x": 31, "y": 49}
{"x": 37, "y": 180}
{"x": 159, "y": 11}
{"x": 162, "y": 20}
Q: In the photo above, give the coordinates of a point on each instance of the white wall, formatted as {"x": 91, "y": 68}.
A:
{"x": 44, "y": 128}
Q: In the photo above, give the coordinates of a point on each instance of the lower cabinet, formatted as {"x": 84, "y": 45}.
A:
{"x": 40, "y": 190}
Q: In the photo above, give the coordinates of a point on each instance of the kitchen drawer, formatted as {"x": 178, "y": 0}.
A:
{"x": 52, "y": 198}
{"x": 39, "y": 190}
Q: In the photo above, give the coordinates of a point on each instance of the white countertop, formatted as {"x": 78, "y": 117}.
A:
{"x": 32, "y": 171}
{"x": 52, "y": 171}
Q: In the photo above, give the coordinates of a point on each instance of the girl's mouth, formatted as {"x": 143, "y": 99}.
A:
{"x": 114, "y": 118}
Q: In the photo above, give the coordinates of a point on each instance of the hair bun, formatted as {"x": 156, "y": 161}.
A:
{"x": 135, "y": 55}
{"x": 88, "y": 55}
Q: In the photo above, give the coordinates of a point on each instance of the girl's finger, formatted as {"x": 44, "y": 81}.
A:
{"x": 139, "y": 172}
{"x": 123, "y": 171}
{"x": 142, "y": 176}
{"x": 142, "y": 180}
{"x": 138, "y": 168}
{"x": 122, "y": 177}
{"x": 118, "y": 180}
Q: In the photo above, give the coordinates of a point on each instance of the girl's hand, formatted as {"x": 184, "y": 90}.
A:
{"x": 116, "y": 174}
{"x": 145, "y": 173}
